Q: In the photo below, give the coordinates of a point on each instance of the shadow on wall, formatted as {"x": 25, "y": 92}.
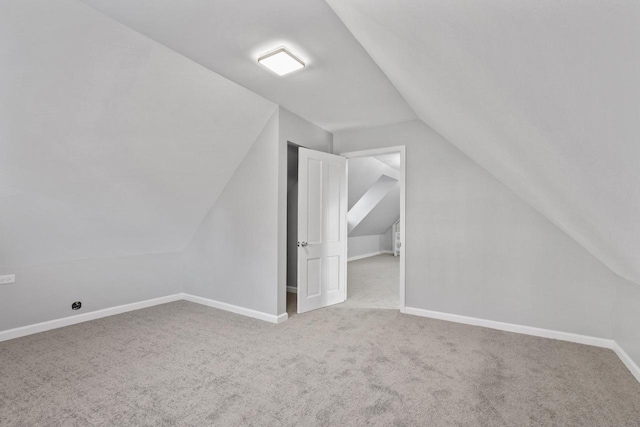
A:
{"x": 292, "y": 215}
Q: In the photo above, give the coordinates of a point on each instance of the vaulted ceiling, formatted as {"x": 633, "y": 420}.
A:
{"x": 110, "y": 143}
{"x": 374, "y": 194}
{"x": 545, "y": 95}
{"x": 128, "y": 111}
{"x": 341, "y": 87}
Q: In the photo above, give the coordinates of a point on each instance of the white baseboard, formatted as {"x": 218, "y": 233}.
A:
{"x": 292, "y": 289}
{"x": 530, "y": 330}
{"x": 236, "y": 309}
{"x": 510, "y": 327}
{"x": 626, "y": 359}
{"x": 84, "y": 317}
{"x": 370, "y": 254}
{"x": 111, "y": 311}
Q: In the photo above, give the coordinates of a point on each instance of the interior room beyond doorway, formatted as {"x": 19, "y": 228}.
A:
{"x": 373, "y": 220}
{"x": 375, "y": 183}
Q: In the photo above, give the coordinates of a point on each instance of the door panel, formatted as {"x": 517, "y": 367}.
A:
{"x": 314, "y": 198}
{"x": 314, "y": 276}
{"x": 332, "y": 194}
{"x": 322, "y": 229}
{"x": 333, "y": 273}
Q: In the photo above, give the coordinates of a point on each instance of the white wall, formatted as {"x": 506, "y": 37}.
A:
{"x": 110, "y": 143}
{"x": 359, "y": 246}
{"x": 363, "y": 245}
{"x": 626, "y": 319}
{"x": 294, "y": 129}
{"x": 544, "y": 95}
{"x": 233, "y": 257}
{"x": 45, "y": 292}
{"x": 239, "y": 254}
{"x": 474, "y": 248}
{"x": 386, "y": 240}
{"x": 112, "y": 147}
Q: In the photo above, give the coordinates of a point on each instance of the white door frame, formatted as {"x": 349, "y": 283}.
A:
{"x": 403, "y": 248}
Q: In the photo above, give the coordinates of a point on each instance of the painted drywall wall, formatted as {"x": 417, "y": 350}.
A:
{"x": 543, "y": 95}
{"x": 112, "y": 150}
{"x": 474, "y": 248}
{"x": 386, "y": 240}
{"x": 110, "y": 143}
{"x": 239, "y": 254}
{"x": 233, "y": 256}
{"x": 626, "y": 319}
{"x": 296, "y": 130}
{"x": 46, "y": 292}
{"x": 363, "y": 245}
{"x": 299, "y": 131}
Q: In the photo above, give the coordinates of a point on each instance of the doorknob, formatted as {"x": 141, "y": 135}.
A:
{"x": 303, "y": 244}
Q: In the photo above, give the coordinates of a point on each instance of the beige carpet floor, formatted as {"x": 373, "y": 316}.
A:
{"x": 183, "y": 364}
{"x": 373, "y": 282}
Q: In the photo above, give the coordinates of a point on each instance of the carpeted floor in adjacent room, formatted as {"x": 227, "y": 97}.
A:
{"x": 374, "y": 282}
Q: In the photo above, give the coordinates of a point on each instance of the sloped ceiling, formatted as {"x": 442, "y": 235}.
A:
{"x": 382, "y": 217}
{"x": 369, "y": 201}
{"x": 364, "y": 173}
{"x": 545, "y": 95}
{"x": 110, "y": 143}
{"x": 341, "y": 87}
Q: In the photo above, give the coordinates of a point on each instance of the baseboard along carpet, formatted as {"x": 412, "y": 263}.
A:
{"x": 186, "y": 364}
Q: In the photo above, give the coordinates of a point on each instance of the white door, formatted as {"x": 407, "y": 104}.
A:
{"x": 322, "y": 229}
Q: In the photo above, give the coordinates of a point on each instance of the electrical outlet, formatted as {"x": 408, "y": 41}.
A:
{"x": 9, "y": 278}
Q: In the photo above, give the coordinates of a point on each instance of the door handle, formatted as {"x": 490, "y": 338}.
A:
{"x": 303, "y": 244}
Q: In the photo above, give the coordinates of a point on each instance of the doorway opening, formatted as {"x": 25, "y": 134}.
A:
{"x": 334, "y": 216}
{"x": 375, "y": 221}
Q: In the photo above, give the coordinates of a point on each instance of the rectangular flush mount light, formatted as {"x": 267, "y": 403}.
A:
{"x": 281, "y": 61}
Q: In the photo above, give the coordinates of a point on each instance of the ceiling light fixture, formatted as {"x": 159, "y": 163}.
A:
{"x": 281, "y": 61}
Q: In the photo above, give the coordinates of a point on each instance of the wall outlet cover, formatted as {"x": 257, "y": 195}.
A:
{"x": 8, "y": 278}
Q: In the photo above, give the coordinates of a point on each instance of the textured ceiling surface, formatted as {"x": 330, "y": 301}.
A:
{"x": 545, "y": 95}
{"x": 110, "y": 143}
{"x": 340, "y": 88}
